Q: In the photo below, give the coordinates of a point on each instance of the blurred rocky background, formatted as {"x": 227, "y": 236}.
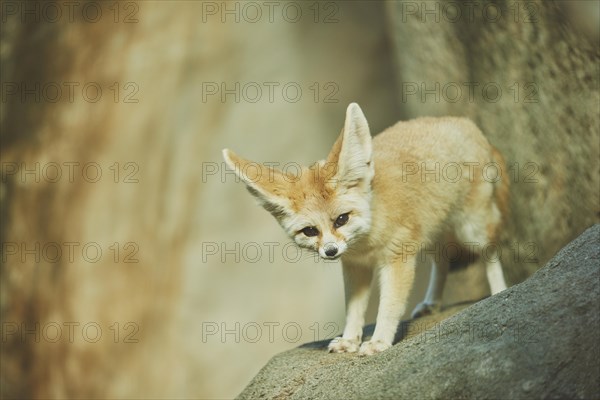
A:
{"x": 134, "y": 266}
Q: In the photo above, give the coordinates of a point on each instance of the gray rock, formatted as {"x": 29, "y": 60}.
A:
{"x": 538, "y": 339}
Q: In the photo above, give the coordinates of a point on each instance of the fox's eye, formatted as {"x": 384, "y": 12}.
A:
{"x": 310, "y": 231}
{"x": 341, "y": 220}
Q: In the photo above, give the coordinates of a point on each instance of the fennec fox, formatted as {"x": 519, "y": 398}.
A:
{"x": 379, "y": 204}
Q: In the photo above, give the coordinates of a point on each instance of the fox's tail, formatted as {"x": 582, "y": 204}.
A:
{"x": 502, "y": 186}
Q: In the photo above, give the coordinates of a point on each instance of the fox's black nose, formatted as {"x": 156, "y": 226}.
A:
{"x": 331, "y": 251}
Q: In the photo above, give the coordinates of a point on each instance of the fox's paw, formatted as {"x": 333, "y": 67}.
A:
{"x": 423, "y": 309}
{"x": 373, "y": 346}
{"x": 341, "y": 345}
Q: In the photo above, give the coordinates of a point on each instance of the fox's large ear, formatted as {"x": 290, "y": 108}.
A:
{"x": 352, "y": 152}
{"x": 269, "y": 185}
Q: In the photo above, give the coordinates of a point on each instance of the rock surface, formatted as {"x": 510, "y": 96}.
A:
{"x": 538, "y": 339}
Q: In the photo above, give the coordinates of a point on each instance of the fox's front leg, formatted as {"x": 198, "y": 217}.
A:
{"x": 357, "y": 286}
{"x": 395, "y": 281}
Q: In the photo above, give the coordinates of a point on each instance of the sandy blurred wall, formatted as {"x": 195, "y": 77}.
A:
{"x": 133, "y": 265}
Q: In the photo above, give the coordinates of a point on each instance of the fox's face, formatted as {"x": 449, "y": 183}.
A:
{"x": 324, "y": 215}
{"x": 325, "y": 208}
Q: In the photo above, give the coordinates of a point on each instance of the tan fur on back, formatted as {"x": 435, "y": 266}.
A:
{"x": 420, "y": 208}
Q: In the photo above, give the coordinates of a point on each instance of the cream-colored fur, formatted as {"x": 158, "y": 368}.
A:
{"x": 415, "y": 187}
